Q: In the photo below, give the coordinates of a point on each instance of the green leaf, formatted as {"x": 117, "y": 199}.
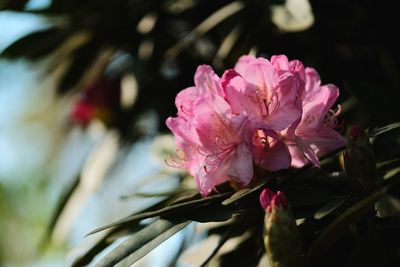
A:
{"x": 142, "y": 242}
{"x": 243, "y": 193}
{"x": 36, "y": 44}
{"x": 221, "y": 242}
{"x": 329, "y": 207}
{"x": 302, "y": 195}
{"x": 384, "y": 129}
{"x": 332, "y": 232}
{"x": 17, "y": 5}
{"x": 163, "y": 211}
{"x": 84, "y": 58}
{"x": 110, "y": 236}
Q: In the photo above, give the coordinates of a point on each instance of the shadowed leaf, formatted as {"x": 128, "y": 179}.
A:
{"x": 142, "y": 242}
{"x": 164, "y": 211}
{"x": 243, "y": 193}
{"x": 36, "y": 44}
{"x": 333, "y": 230}
{"x": 329, "y": 207}
{"x": 384, "y": 129}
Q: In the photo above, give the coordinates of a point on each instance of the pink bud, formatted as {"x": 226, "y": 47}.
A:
{"x": 266, "y": 197}
{"x": 269, "y": 200}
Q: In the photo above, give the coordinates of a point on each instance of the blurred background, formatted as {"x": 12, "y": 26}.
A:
{"x": 86, "y": 86}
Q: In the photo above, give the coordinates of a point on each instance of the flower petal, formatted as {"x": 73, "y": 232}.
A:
{"x": 271, "y": 153}
{"x": 262, "y": 74}
{"x": 290, "y": 105}
{"x": 206, "y": 81}
{"x": 323, "y": 140}
{"x": 241, "y": 165}
{"x": 184, "y": 102}
{"x": 318, "y": 104}
{"x": 243, "y": 63}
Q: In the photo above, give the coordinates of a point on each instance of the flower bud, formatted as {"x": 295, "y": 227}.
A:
{"x": 358, "y": 161}
{"x": 281, "y": 236}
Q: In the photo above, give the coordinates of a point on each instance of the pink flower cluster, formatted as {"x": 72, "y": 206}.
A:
{"x": 274, "y": 114}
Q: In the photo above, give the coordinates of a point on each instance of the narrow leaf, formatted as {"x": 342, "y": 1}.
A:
{"x": 105, "y": 241}
{"x": 163, "y": 211}
{"x": 142, "y": 242}
{"x": 221, "y": 242}
{"x": 384, "y": 129}
{"x": 329, "y": 207}
{"x": 333, "y": 230}
{"x": 36, "y": 44}
{"x": 243, "y": 193}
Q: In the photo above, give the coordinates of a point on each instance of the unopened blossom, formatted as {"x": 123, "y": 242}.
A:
{"x": 281, "y": 236}
{"x": 358, "y": 161}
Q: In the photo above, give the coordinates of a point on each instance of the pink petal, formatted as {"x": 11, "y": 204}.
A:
{"x": 273, "y": 156}
{"x": 206, "y": 81}
{"x": 262, "y": 74}
{"x": 242, "y": 97}
{"x": 318, "y": 105}
{"x": 290, "y": 106}
{"x": 281, "y": 63}
{"x": 241, "y": 165}
{"x": 184, "y": 102}
{"x": 243, "y": 63}
{"x": 313, "y": 81}
{"x": 182, "y": 130}
{"x": 214, "y": 122}
{"x": 323, "y": 140}
{"x": 206, "y": 179}
{"x": 298, "y": 157}
{"x": 204, "y": 182}
{"x": 297, "y": 68}
{"x": 307, "y": 151}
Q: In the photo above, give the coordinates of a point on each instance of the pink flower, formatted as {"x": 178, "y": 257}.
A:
{"x": 270, "y": 95}
{"x": 273, "y": 114}
{"x": 210, "y": 135}
{"x": 314, "y": 136}
{"x": 270, "y": 98}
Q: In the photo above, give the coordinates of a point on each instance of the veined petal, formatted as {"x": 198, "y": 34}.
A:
{"x": 280, "y": 63}
{"x": 184, "y": 102}
{"x": 290, "y": 105}
{"x": 243, "y": 63}
{"x": 262, "y": 74}
{"x": 322, "y": 140}
{"x": 313, "y": 81}
{"x": 298, "y": 157}
{"x": 182, "y": 129}
{"x": 308, "y": 152}
{"x": 241, "y": 165}
{"x": 208, "y": 176}
{"x": 242, "y": 96}
{"x": 317, "y": 106}
{"x": 204, "y": 181}
{"x": 206, "y": 81}
{"x": 216, "y": 126}
{"x": 269, "y": 151}
{"x": 297, "y": 68}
